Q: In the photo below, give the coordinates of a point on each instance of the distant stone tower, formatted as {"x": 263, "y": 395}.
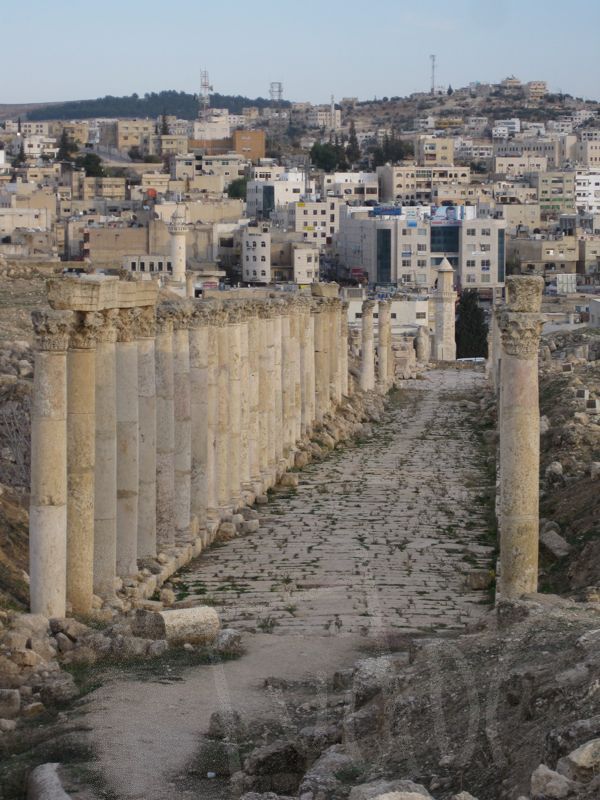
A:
{"x": 445, "y": 298}
{"x": 177, "y": 229}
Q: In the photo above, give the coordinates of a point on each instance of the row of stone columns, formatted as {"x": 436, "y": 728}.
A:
{"x": 150, "y": 422}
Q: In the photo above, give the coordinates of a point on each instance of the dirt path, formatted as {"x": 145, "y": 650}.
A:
{"x": 377, "y": 537}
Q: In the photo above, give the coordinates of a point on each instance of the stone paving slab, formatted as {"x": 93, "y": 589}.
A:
{"x": 380, "y": 535}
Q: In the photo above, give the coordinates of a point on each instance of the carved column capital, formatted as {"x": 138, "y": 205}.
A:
{"x": 145, "y": 323}
{"x": 84, "y": 333}
{"x": 520, "y": 333}
{"x": 107, "y": 328}
{"x": 127, "y": 324}
{"x": 52, "y": 329}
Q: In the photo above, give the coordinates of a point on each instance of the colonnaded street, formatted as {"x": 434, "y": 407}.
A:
{"x": 386, "y": 534}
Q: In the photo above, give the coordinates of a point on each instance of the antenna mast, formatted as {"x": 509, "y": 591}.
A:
{"x": 205, "y": 90}
{"x": 276, "y": 94}
{"x": 432, "y": 58}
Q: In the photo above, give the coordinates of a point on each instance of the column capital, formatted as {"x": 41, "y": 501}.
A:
{"x": 520, "y": 333}
{"x": 182, "y": 315}
{"x": 52, "y": 329}
{"x": 165, "y": 317}
{"x": 107, "y": 328}
{"x": 524, "y": 293}
{"x": 368, "y": 306}
{"x": 127, "y": 324}
{"x": 84, "y": 333}
{"x": 145, "y": 323}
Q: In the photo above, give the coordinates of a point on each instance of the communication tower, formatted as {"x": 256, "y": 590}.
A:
{"x": 205, "y": 90}
{"x": 432, "y": 58}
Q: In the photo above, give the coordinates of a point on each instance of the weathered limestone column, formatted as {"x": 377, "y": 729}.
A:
{"x": 165, "y": 428}
{"x": 212, "y": 420}
{"x": 367, "y": 364}
{"x": 222, "y": 439}
{"x": 310, "y": 366}
{"x": 296, "y": 372}
{"x": 423, "y": 345}
{"x": 183, "y": 422}
{"x": 445, "y": 313}
{"x": 333, "y": 347}
{"x": 81, "y": 456}
{"x": 247, "y": 488}
{"x": 199, "y": 368}
{"x": 277, "y": 327}
{"x": 520, "y": 325}
{"x": 48, "y": 505}
{"x": 287, "y": 386}
{"x": 105, "y": 489}
{"x": 146, "y": 338}
{"x": 254, "y": 355}
{"x": 494, "y": 350}
{"x": 235, "y": 406}
{"x": 383, "y": 344}
{"x": 344, "y": 344}
{"x": 127, "y": 442}
{"x": 321, "y": 360}
{"x": 266, "y": 405}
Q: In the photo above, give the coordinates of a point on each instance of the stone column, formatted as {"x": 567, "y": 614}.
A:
{"x": 277, "y": 327}
{"x": 48, "y": 504}
{"x": 287, "y": 386}
{"x": 222, "y": 438}
{"x": 367, "y": 364}
{"x": 383, "y": 344}
{"x": 247, "y": 487}
{"x": 344, "y": 344}
{"x": 212, "y": 420}
{"x": 199, "y": 367}
{"x": 334, "y": 342}
{"x": 81, "y": 456}
{"x": 183, "y": 422}
{"x": 310, "y": 367}
{"x": 520, "y": 326}
{"x": 235, "y": 406}
{"x": 296, "y": 375}
{"x": 146, "y": 338}
{"x": 266, "y": 404}
{"x": 127, "y": 442}
{"x": 254, "y": 355}
{"x": 105, "y": 489}
{"x": 445, "y": 313}
{"x": 321, "y": 361}
{"x": 165, "y": 429}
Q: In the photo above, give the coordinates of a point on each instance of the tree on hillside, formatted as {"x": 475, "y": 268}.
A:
{"x": 237, "y": 188}
{"x": 92, "y": 164}
{"x": 353, "y": 148}
{"x": 392, "y": 150}
{"x": 20, "y": 158}
{"x": 471, "y": 327}
{"x": 164, "y": 125}
{"x": 66, "y": 148}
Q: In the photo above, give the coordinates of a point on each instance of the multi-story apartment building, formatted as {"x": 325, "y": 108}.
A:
{"x": 354, "y": 187}
{"x": 327, "y": 117}
{"x": 264, "y": 197}
{"x": 434, "y": 151}
{"x": 518, "y": 166}
{"x": 544, "y": 255}
{"x": 482, "y": 253}
{"x": 587, "y": 190}
{"x": 316, "y": 221}
{"x": 588, "y": 152}
{"x": 390, "y": 245}
{"x": 256, "y": 254}
{"x": 409, "y": 184}
{"x": 536, "y": 90}
{"x": 134, "y": 133}
{"x": 269, "y": 256}
{"x": 555, "y": 190}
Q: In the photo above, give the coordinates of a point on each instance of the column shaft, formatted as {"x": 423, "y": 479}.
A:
{"x": 81, "y": 454}
{"x": 235, "y": 409}
{"x": 222, "y": 442}
{"x": 127, "y": 444}
{"x": 105, "y": 489}
{"x": 183, "y": 424}
{"x": 367, "y": 366}
{"x": 165, "y": 431}
{"x": 146, "y": 539}
{"x": 199, "y": 368}
{"x": 48, "y": 508}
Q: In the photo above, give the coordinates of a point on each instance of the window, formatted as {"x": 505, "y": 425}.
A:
{"x": 358, "y": 315}
{"x": 421, "y": 315}
{"x": 254, "y": 272}
{"x": 262, "y": 272}
{"x": 486, "y": 232}
{"x": 421, "y": 262}
{"x": 133, "y": 265}
{"x": 485, "y": 248}
{"x": 262, "y": 258}
{"x": 263, "y": 244}
{"x": 406, "y": 262}
{"x": 253, "y": 258}
{"x": 471, "y": 232}
{"x": 471, "y": 262}
{"x": 421, "y": 248}
{"x": 471, "y": 278}
{"x": 375, "y": 316}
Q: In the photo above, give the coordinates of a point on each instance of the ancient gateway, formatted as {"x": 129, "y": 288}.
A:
{"x": 155, "y": 416}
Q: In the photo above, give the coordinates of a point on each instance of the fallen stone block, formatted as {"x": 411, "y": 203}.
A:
{"x": 583, "y": 763}
{"x": 549, "y": 785}
{"x": 10, "y": 703}
{"x": 197, "y": 625}
{"x": 44, "y": 783}
{"x": 553, "y": 543}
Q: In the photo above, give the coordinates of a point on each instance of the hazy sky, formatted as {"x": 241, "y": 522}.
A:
{"x": 69, "y": 49}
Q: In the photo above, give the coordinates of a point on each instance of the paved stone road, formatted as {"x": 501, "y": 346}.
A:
{"x": 379, "y": 536}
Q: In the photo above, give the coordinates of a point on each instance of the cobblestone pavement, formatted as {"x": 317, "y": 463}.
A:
{"x": 378, "y": 536}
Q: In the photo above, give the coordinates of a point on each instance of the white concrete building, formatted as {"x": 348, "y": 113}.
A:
{"x": 264, "y": 197}
{"x": 353, "y": 187}
{"x": 408, "y": 312}
{"x": 256, "y": 254}
{"x": 587, "y": 190}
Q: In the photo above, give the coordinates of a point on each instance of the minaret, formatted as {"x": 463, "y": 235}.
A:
{"x": 445, "y": 298}
{"x": 177, "y": 229}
